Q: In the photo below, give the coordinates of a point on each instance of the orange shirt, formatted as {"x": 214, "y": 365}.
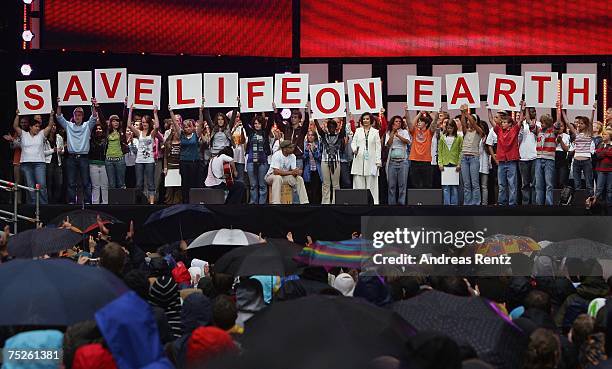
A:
{"x": 421, "y": 145}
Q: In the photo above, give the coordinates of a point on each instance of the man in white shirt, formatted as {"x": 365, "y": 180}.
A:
{"x": 283, "y": 170}
{"x": 527, "y": 152}
{"x": 216, "y": 177}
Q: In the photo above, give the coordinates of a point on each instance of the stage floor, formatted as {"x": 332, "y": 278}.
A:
{"x": 331, "y": 222}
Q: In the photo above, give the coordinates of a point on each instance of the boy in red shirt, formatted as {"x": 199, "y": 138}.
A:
{"x": 508, "y": 156}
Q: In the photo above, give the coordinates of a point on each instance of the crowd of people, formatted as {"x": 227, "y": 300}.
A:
{"x": 201, "y": 314}
{"x": 512, "y": 159}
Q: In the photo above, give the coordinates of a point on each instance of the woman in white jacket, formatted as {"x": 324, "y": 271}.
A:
{"x": 54, "y": 152}
{"x": 366, "y": 148}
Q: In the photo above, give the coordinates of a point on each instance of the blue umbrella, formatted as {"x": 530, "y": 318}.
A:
{"x": 178, "y": 222}
{"x": 54, "y": 292}
{"x": 41, "y": 241}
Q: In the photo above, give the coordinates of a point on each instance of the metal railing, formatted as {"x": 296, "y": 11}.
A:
{"x": 14, "y": 215}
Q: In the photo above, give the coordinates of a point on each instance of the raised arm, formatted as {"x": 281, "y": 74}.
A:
{"x": 491, "y": 119}
{"x": 522, "y": 114}
{"x": 464, "y": 117}
{"x": 383, "y": 123}
{"x": 16, "y": 127}
{"x": 155, "y": 122}
{"x": 177, "y": 127}
{"x": 59, "y": 116}
{"x": 233, "y": 118}
{"x": 48, "y": 128}
{"x": 409, "y": 122}
{"x": 319, "y": 128}
{"x": 434, "y": 121}
{"x": 130, "y": 125}
{"x": 593, "y": 113}
{"x": 570, "y": 125}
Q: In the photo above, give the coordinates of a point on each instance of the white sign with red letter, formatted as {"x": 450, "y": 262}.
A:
{"x": 462, "y": 88}
{"x": 364, "y": 95}
{"x": 110, "y": 85}
{"x": 327, "y": 100}
{"x": 185, "y": 91}
{"x": 144, "y": 91}
{"x": 424, "y": 93}
{"x": 74, "y": 88}
{"x": 34, "y": 97}
{"x": 541, "y": 89}
{"x": 256, "y": 94}
{"x": 220, "y": 90}
{"x": 290, "y": 90}
{"x": 578, "y": 91}
{"x": 505, "y": 92}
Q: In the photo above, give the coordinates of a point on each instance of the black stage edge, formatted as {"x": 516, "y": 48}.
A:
{"x": 323, "y": 222}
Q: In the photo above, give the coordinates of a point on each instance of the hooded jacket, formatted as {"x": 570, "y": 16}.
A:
{"x": 373, "y": 289}
{"x": 93, "y": 356}
{"x": 249, "y": 300}
{"x": 590, "y": 288}
{"x": 131, "y": 334}
{"x": 164, "y": 293}
{"x": 195, "y": 312}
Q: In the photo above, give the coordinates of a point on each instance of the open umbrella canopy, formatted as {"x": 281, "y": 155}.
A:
{"x": 470, "y": 320}
{"x": 54, "y": 292}
{"x": 212, "y": 245}
{"x": 177, "y": 222}
{"x": 580, "y": 248}
{"x": 225, "y": 237}
{"x": 501, "y": 244}
{"x": 322, "y": 332}
{"x": 350, "y": 253}
{"x": 84, "y": 219}
{"x": 40, "y": 241}
{"x": 274, "y": 257}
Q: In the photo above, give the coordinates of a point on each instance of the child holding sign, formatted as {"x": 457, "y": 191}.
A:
{"x": 507, "y": 155}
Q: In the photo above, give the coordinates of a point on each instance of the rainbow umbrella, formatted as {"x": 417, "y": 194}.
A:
{"x": 349, "y": 254}
{"x": 501, "y": 244}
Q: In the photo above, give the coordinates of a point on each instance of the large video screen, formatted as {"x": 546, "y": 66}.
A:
{"x": 379, "y": 28}
{"x": 197, "y": 27}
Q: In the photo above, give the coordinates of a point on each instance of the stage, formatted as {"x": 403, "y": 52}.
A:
{"x": 324, "y": 222}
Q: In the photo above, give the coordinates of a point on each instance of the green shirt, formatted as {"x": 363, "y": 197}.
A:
{"x": 114, "y": 146}
{"x": 448, "y": 156}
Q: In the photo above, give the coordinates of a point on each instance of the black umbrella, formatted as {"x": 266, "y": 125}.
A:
{"x": 470, "y": 320}
{"x": 54, "y": 292}
{"x": 41, "y": 241}
{"x": 274, "y": 257}
{"x": 84, "y": 219}
{"x": 580, "y": 248}
{"x": 322, "y": 332}
{"x": 177, "y": 222}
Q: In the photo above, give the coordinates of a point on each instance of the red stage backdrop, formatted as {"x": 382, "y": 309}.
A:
{"x": 375, "y": 28}
{"x": 200, "y": 27}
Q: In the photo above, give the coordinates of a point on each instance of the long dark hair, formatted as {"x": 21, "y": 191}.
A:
{"x": 393, "y": 118}
{"x": 147, "y": 118}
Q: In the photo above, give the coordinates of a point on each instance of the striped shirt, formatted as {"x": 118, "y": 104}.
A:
{"x": 164, "y": 293}
{"x": 546, "y": 144}
{"x": 583, "y": 146}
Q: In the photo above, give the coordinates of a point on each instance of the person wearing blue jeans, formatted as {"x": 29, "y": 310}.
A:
{"x": 78, "y": 134}
{"x": 544, "y": 180}
{"x": 397, "y": 140}
{"x": 506, "y": 174}
{"x": 33, "y": 165}
{"x": 257, "y": 182}
{"x": 546, "y": 144}
{"x": 583, "y": 166}
{"x": 470, "y": 173}
{"x": 35, "y": 174}
{"x": 470, "y": 156}
{"x": 397, "y": 176}
{"x": 603, "y": 154}
{"x": 115, "y": 170}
